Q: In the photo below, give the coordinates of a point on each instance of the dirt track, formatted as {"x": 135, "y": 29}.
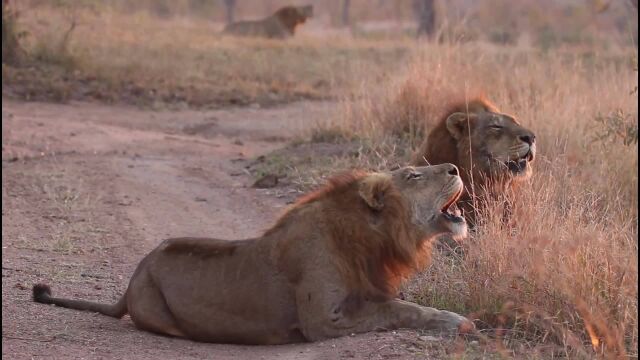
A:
{"x": 87, "y": 190}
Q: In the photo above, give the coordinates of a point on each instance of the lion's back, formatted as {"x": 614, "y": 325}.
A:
{"x": 269, "y": 28}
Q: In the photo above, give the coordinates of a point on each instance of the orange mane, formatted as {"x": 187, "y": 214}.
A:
{"x": 374, "y": 251}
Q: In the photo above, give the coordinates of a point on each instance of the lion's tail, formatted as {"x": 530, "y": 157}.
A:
{"x": 42, "y": 294}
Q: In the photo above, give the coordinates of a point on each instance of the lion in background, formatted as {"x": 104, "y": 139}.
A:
{"x": 282, "y": 24}
{"x": 493, "y": 151}
{"x": 329, "y": 267}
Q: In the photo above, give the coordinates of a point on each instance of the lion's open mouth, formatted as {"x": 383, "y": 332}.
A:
{"x": 519, "y": 165}
{"x": 450, "y": 210}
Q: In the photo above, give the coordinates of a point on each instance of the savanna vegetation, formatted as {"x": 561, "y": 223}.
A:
{"x": 560, "y": 281}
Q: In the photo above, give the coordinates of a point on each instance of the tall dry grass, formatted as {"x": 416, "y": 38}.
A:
{"x": 565, "y": 274}
{"x": 566, "y": 271}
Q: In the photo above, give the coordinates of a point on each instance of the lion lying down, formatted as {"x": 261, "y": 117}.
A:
{"x": 329, "y": 267}
{"x": 282, "y": 24}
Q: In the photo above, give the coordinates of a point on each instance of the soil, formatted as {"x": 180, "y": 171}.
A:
{"x": 88, "y": 190}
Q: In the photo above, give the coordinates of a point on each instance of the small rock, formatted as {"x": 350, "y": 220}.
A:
{"x": 349, "y": 354}
{"x": 20, "y": 286}
{"x": 238, "y": 142}
{"x": 200, "y": 199}
{"x": 429, "y": 338}
{"x": 267, "y": 181}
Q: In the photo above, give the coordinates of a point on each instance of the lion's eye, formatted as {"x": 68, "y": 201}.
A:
{"x": 414, "y": 175}
{"x": 496, "y": 127}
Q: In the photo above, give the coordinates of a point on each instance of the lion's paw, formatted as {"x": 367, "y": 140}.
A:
{"x": 451, "y": 322}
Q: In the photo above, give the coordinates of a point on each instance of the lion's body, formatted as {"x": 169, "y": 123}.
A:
{"x": 282, "y": 24}
{"x": 262, "y": 310}
{"x": 479, "y": 151}
{"x": 329, "y": 267}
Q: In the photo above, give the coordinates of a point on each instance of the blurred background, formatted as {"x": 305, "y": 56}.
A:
{"x": 541, "y": 23}
{"x": 533, "y": 22}
{"x": 114, "y": 49}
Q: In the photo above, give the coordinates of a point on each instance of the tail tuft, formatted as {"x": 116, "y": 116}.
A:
{"x": 41, "y": 293}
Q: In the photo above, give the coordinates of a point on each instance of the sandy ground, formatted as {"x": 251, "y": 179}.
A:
{"x": 88, "y": 190}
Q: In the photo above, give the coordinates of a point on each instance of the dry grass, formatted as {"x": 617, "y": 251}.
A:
{"x": 566, "y": 272}
{"x": 144, "y": 60}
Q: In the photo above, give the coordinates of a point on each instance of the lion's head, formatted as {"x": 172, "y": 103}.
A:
{"x": 427, "y": 193}
{"x": 292, "y": 16}
{"x": 491, "y": 148}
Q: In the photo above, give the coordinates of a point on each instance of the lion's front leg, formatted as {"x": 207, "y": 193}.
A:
{"x": 399, "y": 314}
{"x": 323, "y": 313}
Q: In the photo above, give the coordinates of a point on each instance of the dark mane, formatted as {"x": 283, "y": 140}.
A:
{"x": 290, "y": 17}
{"x": 373, "y": 259}
{"x": 335, "y": 184}
{"x": 440, "y": 147}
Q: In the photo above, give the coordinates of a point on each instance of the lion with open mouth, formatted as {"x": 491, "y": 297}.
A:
{"x": 330, "y": 266}
{"x": 493, "y": 150}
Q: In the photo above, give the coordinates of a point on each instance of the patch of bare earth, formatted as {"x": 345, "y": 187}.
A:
{"x": 88, "y": 190}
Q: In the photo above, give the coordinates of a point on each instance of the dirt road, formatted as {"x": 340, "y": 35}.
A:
{"x": 87, "y": 190}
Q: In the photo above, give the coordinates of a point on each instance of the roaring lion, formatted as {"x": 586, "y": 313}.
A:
{"x": 330, "y": 266}
{"x": 493, "y": 151}
{"x": 282, "y": 24}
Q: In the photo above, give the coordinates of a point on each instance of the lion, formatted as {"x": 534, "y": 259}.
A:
{"x": 329, "y": 267}
{"x": 282, "y": 24}
{"x": 493, "y": 151}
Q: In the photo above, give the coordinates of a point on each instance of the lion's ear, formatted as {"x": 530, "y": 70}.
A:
{"x": 457, "y": 123}
{"x": 373, "y": 188}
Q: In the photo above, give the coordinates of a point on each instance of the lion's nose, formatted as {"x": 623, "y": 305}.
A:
{"x": 529, "y": 139}
{"x": 453, "y": 170}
